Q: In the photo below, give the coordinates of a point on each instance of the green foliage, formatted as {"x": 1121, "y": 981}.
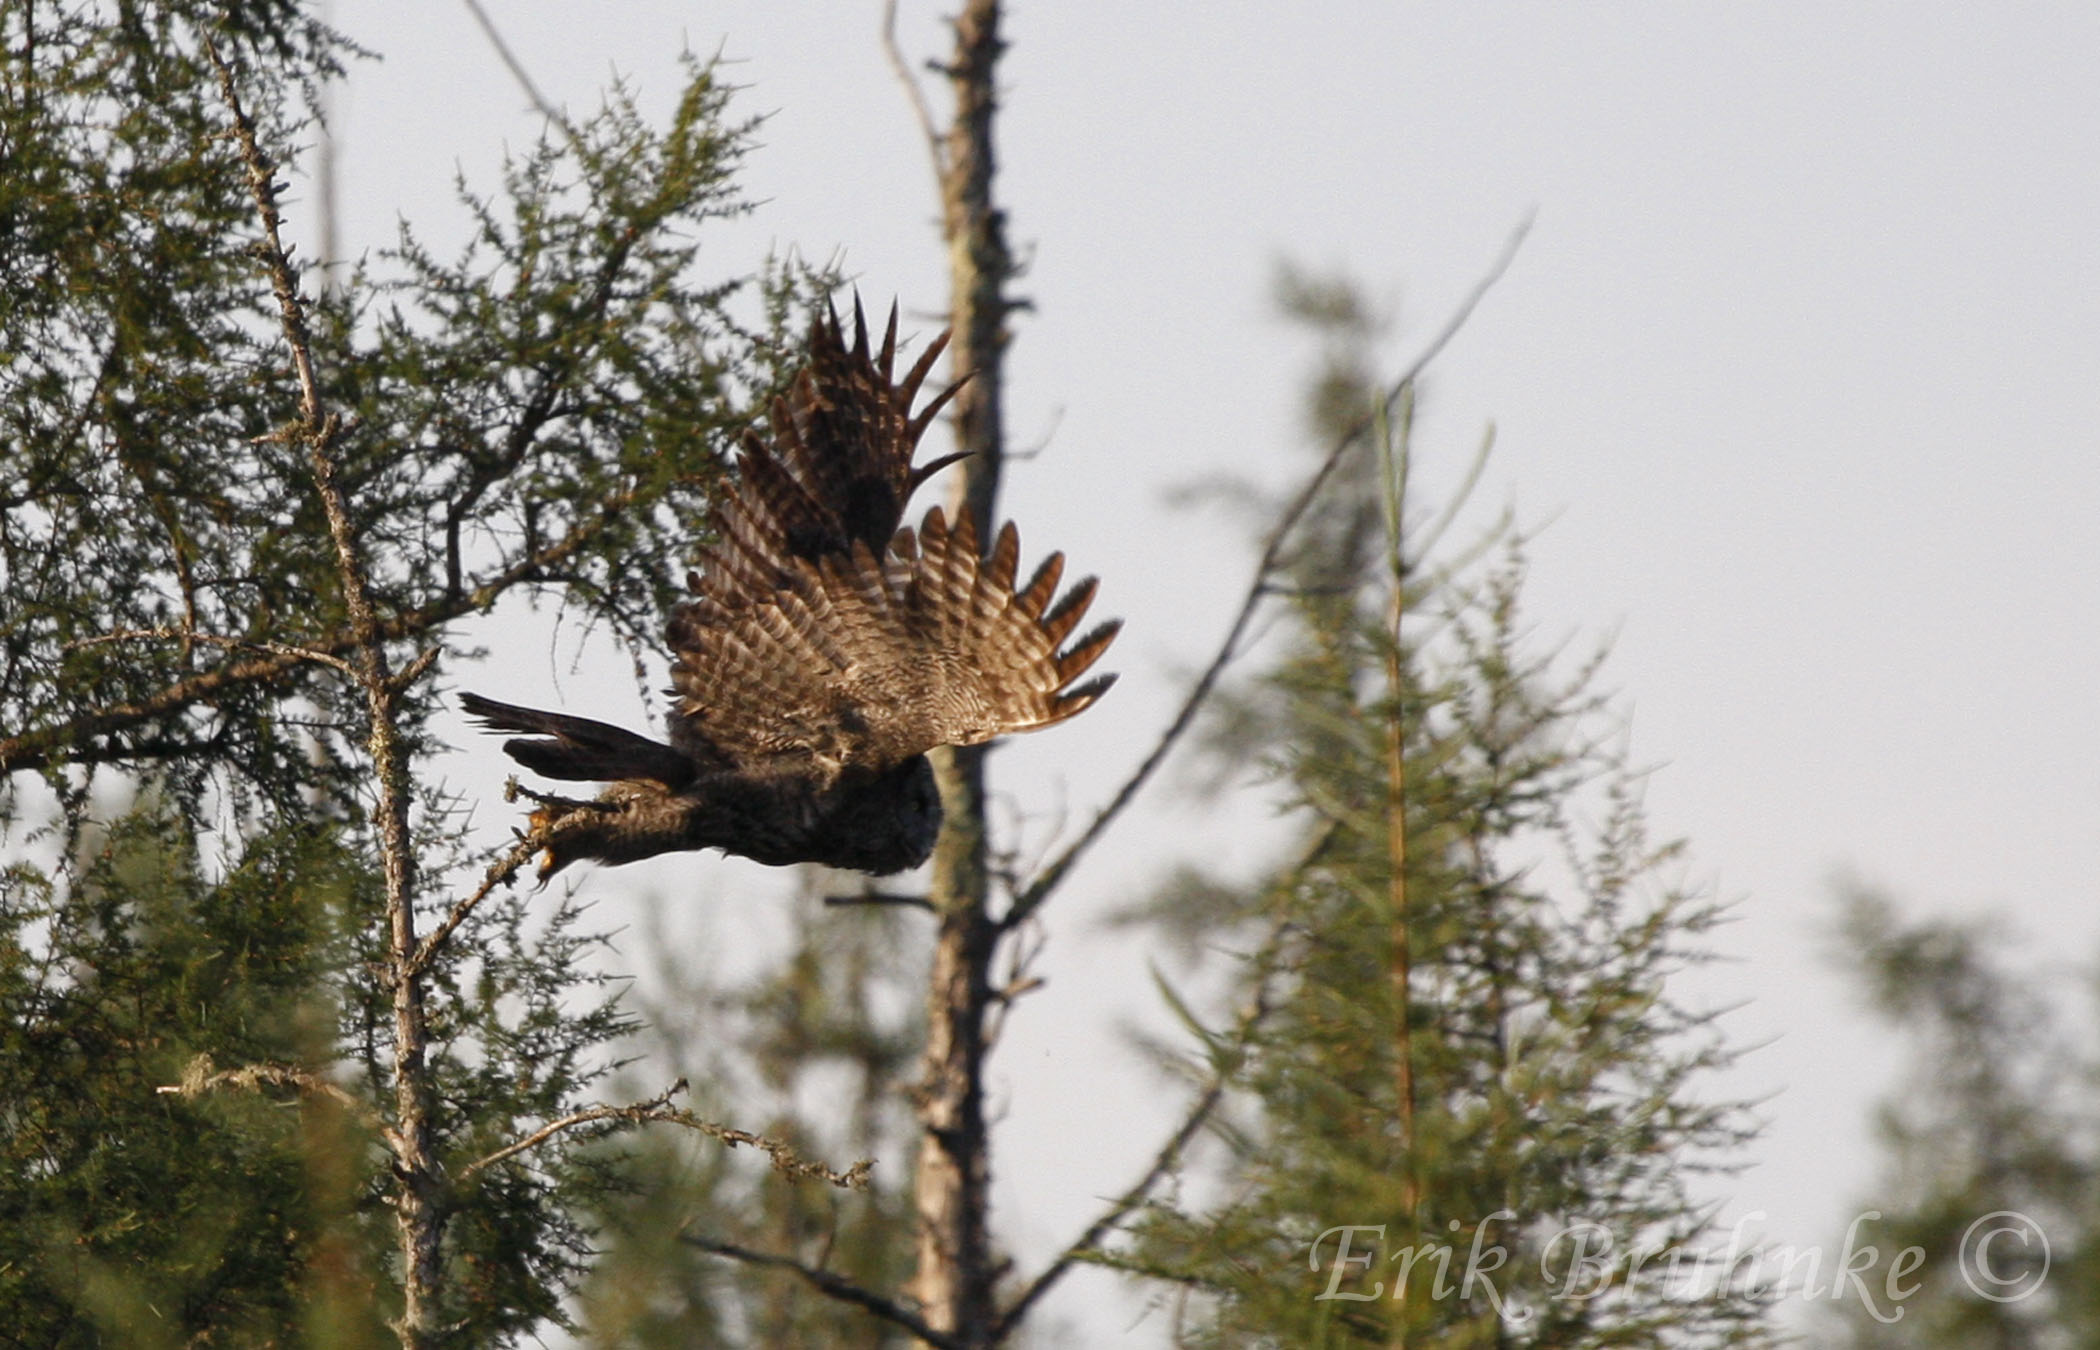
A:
{"x": 543, "y": 413}
{"x": 547, "y": 409}
{"x": 1553, "y": 1074}
{"x": 133, "y": 376}
{"x": 829, "y": 1037}
{"x": 138, "y": 1217}
{"x": 1992, "y": 1119}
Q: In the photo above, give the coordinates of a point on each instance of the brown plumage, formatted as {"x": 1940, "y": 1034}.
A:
{"x": 825, "y": 650}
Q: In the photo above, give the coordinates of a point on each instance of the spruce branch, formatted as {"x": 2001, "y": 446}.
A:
{"x": 73, "y": 739}
{"x": 186, "y": 636}
{"x": 501, "y": 872}
{"x": 781, "y": 1154}
{"x": 784, "y": 1158}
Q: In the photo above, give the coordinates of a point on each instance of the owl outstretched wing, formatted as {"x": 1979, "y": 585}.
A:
{"x": 866, "y": 660}
{"x": 824, "y": 649}
{"x": 836, "y": 470}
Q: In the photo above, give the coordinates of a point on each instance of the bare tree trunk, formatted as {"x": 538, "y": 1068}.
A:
{"x": 979, "y": 262}
{"x": 418, "y": 1200}
{"x": 956, "y": 1273}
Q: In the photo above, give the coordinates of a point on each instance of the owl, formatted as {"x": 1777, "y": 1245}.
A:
{"x": 825, "y": 648}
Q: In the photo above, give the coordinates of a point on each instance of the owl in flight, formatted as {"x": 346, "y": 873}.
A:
{"x": 826, "y": 648}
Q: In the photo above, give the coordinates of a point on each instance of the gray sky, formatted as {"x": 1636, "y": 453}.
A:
{"x": 1799, "y": 361}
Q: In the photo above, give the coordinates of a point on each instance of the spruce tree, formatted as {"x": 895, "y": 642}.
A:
{"x": 135, "y": 1218}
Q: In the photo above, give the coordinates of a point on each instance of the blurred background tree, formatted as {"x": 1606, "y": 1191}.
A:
{"x": 1451, "y": 1023}
{"x": 1990, "y": 1178}
{"x": 818, "y": 1049}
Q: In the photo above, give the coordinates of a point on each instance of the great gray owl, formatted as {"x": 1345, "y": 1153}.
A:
{"x": 824, "y": 650}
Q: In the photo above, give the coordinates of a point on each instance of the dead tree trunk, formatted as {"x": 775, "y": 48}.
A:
{"x": 956, "y": 1272}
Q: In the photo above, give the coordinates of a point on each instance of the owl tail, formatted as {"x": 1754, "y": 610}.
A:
{"x": 578, "y": 748}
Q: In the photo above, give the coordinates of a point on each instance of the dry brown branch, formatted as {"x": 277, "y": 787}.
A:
{"x": 200, "y": 1077}
{"x": 409, "y": 675}
{"x": 785, "y": 1159}
{"x": 1257, "y": 588}
{"x": 502, "y": 872}
{"x": 1226, "y": 1062}
{"x": 782, "y": 1155}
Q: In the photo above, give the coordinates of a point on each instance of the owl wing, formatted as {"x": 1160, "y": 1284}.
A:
{"x": 867, "y": 659}
{"x": 833, "y": 471}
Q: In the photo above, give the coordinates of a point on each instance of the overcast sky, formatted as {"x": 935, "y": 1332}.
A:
{"x": 1801, "y": 361}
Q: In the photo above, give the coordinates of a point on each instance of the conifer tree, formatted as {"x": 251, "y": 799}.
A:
{"x": 1980, "y": 1229}
{"x": 819, "y": 1050}
{"x": 285, "y": 1063}
{"x": 1461, "y": 1100}
{"x": 131, "y": 1218}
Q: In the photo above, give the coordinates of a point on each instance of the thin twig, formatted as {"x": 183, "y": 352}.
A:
{"x": 185, "y": 635}
{"x": 782, "y": 1155}
{"x": 836, "y": 1286}
{"x": 1169, "y": 1155}
{"x": 1272, "y": 550}
{"x": 779, "y": 1153}
{"x": 501, "y": 873}
{"x": 518, "y": 72}
{"x": 913, "y": 91}
{"x": 1163, "y": 1162}
{"x": 634, "y": 1112}
{"x": 411, "y": 674}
